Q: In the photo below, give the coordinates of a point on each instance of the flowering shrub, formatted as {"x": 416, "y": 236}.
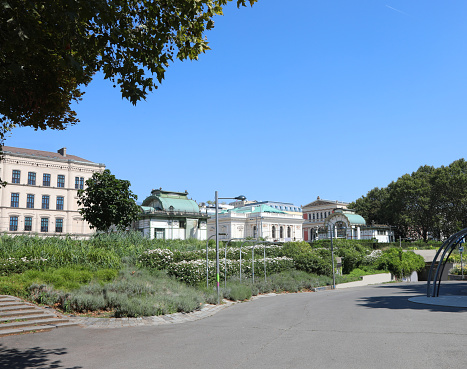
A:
{"x": 194, "y": 272}
{"x": 233, "y": 253}
{"x": 162, "y": 258}
{"x": 19, "y": 265}
{"x": 156, "y": 259}
{"x": 372, "y": 257}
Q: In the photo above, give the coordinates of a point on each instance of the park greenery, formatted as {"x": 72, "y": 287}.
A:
{"x": 107, "y": 202}
{"x": 52, "y": 49}
{"x": 128, "y": 275}
{"x": 429, "y": 203}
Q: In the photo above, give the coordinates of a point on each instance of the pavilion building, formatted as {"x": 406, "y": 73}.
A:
{"x": 171, "y": 215}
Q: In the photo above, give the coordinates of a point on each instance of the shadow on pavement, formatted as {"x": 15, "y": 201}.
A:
{"x": 34, "y": 357}
{"x": 389, "y": 300}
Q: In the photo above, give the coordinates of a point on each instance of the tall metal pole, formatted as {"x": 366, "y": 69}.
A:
{"x": 217, "y": 248}
{"x": 332, "y": 256}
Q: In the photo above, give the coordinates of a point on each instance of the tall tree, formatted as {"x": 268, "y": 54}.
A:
{"x": 50, "y": 49}
{"x": 372, "y": 206}
{"x": 428, "y": 201}
{"x": 107, "y": 201}
{"x": 450, "y": 197}
{"x": 410, "y": 202}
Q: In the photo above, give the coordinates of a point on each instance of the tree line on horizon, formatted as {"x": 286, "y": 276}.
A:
{"x": 429, "y": 203}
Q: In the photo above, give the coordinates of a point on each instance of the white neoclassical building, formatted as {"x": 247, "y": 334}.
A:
{"x": 40, "y": 196}
{"x": 253, "y": 221}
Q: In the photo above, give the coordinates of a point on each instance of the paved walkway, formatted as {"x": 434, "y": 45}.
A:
{"x": 362, "y": 328}
{"x": 452, "y": 301}
{"x": 209, "y": 310}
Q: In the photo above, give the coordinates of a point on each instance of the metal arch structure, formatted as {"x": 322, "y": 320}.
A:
{"x": 432, "y": 290}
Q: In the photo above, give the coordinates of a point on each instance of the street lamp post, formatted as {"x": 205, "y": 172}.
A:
{"x": 241, "y": 198}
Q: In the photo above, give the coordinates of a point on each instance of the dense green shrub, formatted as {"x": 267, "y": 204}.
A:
{"x": 457, "y": 270}
{"x": 399, "y": 262}
{"x": 354, "y": 253}
{"x": 44, "y": 294}
{"x": 14, "y": 285}
{"x": 133, "y": 307}
{"x": 84, "y": 302}
{"x": 294, "y": 249}
{"x": 101, "y": 258}
{"x": 292, "y": 280}
{"x": 133, "y": 293}
{"x": 313, "y": 262}
{"x": 64, "y": 279}
{"x": 237, "y": 291}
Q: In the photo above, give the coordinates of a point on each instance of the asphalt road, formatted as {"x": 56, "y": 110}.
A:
{"x": 367, "y": 327}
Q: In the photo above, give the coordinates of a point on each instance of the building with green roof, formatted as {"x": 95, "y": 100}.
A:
{"x": 345, "y": 223}
{"x": 320, "y": 216}
{"x": 253, "y": 221}
{"x": 315, "y": 214}
{"x": 172, "y": 215}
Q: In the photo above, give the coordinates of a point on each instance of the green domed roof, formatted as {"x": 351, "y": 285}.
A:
{"x": 171, "y": 201}
{"x": 355, "y": 219}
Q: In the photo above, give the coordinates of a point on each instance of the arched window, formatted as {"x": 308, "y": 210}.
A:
{"x": 281, "y": 231}
{"x": 341, "y": 229}
{"x": 289, "y": 233}
{"x": 273, "y": 232}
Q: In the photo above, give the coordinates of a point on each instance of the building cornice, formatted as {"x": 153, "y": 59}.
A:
{"x": 33, "y": 161}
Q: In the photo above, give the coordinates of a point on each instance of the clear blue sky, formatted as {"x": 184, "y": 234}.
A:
{"x": 296, "y": 99}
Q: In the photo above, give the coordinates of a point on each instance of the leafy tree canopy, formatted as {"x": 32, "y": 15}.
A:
{"x": 371, "y": 206}
{"x": 107, "y": 201}
{"x": 431, "y": 201}
{"x": 49, "y": 49}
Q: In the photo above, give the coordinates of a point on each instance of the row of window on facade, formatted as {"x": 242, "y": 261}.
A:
{"x": 30, "y": 201}
{"x": 273, "y": 234}
{"x": 28, "y": 224}
{"x": 318, "y": 216}
{"x": 46, "y": 179}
